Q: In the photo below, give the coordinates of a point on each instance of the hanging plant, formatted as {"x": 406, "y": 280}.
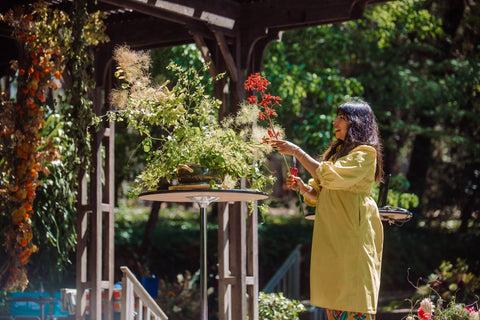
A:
{"x": 24, "y": 152}
{"x": 43, "y": 38}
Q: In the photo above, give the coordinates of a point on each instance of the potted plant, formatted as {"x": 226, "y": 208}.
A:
{"x": 181, "y": 131}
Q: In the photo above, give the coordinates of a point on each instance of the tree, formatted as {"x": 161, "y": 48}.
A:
{"x": 416, "y": 62}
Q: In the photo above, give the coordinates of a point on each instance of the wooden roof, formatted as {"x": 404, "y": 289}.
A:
{"x": 165, "y": 23}
{"x": 146, "y": 24}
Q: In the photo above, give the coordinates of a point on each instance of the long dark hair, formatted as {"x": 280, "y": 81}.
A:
{"x": 363, "y": 130}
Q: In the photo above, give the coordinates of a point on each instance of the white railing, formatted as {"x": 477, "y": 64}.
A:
{"x": 287, "y": 278}
{"x": 137, "y": 304}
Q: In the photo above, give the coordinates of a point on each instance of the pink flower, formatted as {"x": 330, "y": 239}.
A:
{"x": 427, "y": 306}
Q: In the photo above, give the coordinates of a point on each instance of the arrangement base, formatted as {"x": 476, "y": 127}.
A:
{"x": 195, "y": 186}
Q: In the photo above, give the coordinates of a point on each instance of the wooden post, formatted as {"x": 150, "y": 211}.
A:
{"x": 95, "y": 266}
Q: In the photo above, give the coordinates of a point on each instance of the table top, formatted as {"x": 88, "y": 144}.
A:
{"x": 223, "y": 195}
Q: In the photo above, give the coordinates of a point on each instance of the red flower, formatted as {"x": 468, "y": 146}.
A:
{"x": 257, "y": 83}
{"x": 423, "y": 315}
{"x": 270, "y": 112}
{"x": 252, "y": 99}
{"x": 276, "y": 99}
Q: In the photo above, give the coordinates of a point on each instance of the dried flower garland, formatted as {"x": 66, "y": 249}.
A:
{"x": 23, "y": 150}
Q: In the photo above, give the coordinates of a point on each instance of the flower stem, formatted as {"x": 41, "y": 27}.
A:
{"x": 297, "y": 190}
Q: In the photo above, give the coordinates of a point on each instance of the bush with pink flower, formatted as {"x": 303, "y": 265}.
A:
{"x": 453, "y": 311}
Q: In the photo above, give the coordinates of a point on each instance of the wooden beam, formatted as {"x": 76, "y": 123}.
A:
{"x": 181, "y": 12}
{"x": 253, "y": 50}
{"x": 148, "y": 33}
{"x": 285, "y": 14}
{"x": 227, "y": 55}
{"x": 202, "y": 46}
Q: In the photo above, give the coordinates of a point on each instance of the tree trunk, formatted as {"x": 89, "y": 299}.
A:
{"x": 420, "y": 160}
{"x": 148, "y": 235}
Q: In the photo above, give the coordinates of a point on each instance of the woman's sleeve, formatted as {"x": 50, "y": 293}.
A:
{"x": 348, "y": 170}
{"x": 316, "y": 185}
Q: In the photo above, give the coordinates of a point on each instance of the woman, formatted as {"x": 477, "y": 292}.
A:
{"x": 348, "y": 234}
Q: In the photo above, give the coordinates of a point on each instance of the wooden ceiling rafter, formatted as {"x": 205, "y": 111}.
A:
{"x": 189, "y": 18}
{"x": 227, "y": 55}
{"x": 203, "y": 47}
{"x": 285, "y": 14}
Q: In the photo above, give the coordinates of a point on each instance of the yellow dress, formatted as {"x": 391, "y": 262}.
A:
{"x": 347, "y": 236}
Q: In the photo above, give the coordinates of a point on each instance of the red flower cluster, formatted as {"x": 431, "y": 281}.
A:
{"x": 258, "y": 85}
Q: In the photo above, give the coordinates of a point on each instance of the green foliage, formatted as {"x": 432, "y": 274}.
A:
{"x": 84, "y": 31}
{"x": 274, "y": 306}
{"x": 400, "y": 22}
{"x": 398, "y": 195}
{"x": 456, "y": 311}
{"x": 310, "y": 88}
{"x": 184, "y": 55}
{"x": 54, "y": 224}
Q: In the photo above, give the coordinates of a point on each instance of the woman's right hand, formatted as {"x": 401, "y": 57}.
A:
{"x": 285, "y": 147}
{"x": 294, "y": 183}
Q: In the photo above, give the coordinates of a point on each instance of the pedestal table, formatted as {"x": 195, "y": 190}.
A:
{"x": 203, "y": 197}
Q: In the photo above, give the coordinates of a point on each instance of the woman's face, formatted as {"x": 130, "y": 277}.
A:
{"x": 341, "y": 125}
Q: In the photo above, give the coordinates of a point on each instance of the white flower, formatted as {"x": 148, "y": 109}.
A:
{"x": 427, "y": 306}
{"x": 474, "y": 315}
{"x": 410, "y": 318}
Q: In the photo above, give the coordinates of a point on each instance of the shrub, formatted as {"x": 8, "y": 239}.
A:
{"x": 274, "y": 306}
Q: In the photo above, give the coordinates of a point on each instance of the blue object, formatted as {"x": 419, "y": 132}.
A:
{"x": 57, "y": 306}
{"x": 26, "y": 308}
{"x": 151, "y": 285}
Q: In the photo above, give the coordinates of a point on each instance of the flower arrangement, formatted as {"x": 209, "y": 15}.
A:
{"x": 179, "y": 126}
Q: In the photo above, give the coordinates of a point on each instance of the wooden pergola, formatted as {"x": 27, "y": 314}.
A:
{"x": 233, "y": 36}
